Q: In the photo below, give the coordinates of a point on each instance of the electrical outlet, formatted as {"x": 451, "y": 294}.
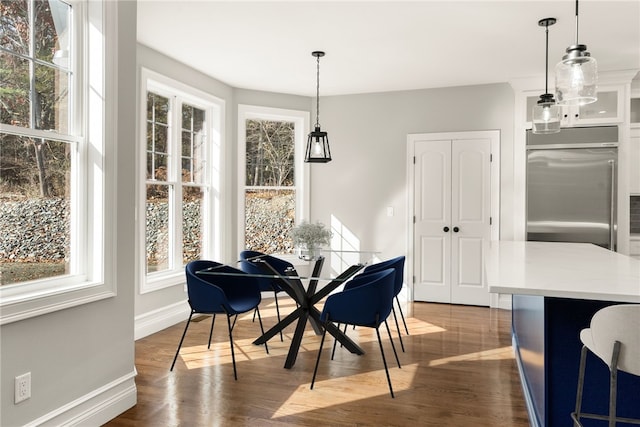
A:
{"x": 23, "y": 387}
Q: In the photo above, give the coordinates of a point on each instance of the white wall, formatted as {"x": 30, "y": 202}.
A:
{"x": 82, "y": 357}
{"x": 368, "y": 137}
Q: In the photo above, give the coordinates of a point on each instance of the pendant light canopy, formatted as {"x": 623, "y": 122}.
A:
{"x": 546, "y": 113}
{"x": 576, "y": 75}
{"x": 318, "y": 141}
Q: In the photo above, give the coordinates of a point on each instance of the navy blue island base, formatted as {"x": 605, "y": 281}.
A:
{"x": 546, "y": 340}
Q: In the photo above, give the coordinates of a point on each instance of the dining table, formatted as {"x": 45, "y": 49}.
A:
{"x": 306, "y": 300}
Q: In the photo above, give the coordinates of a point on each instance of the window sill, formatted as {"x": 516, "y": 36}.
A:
{"x": 38, "y": 298}
{"x": 158, "y": 281}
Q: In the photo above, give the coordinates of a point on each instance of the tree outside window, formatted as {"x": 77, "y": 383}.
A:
{"x": 37, "y": 140}
{"x": 270, "y": 194}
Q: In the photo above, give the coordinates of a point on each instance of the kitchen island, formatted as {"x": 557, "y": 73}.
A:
{"x": 556, "y": 289}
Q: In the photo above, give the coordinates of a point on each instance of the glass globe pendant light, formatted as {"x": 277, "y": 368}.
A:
{"x": 546, "y": 113}
{"x": 317, "y": 141}
{"x": 576, "y": 75}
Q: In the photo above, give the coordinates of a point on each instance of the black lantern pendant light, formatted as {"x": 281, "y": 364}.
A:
{"x": 546, "y": 113}
{"x": 318, "y": 141}
{"x": 576, "y": 75}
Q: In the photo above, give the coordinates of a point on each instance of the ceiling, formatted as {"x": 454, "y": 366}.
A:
{"x": 378, "y": 46}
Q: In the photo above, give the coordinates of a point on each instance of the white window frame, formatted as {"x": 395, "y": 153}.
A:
{"x": 93, "y": 180}
{"x": 301, "y": 172}
{"x": 214, "y": 107}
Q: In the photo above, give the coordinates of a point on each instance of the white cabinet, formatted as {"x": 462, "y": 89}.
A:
{"x": 635, "y": 111}
{"x": 634, "y": 247}
{"x": 609, "y": 108}
{"x": 452, "y": 218}
{"x": 634, "y": 164}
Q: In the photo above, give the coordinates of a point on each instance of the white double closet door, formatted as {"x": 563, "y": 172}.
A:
{"x": 452, "y": 217}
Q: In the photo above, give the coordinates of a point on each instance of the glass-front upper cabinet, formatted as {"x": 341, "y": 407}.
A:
{"x": 635, "y": 111}
{"x": 634, "y": 140}
{"x": 607, "y": 109}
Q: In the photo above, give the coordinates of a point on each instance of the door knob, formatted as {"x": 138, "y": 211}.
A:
{"x": 456, "y": 229}
{"x": 446, "y": 229}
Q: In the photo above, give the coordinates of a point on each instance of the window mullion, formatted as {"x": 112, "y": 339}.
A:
{"x": 32, "y": 65}
{"x": 175, "y": 124}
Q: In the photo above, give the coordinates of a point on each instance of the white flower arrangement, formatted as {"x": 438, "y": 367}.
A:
{"x": 311, "y": 235}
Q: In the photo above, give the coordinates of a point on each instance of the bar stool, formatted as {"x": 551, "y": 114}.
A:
{"x": 613, "y": 336}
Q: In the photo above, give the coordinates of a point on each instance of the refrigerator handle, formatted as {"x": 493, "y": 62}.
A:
{"x": 612, "y": 211}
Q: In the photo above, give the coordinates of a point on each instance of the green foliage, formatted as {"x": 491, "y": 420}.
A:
{"x": 311, "y": 235}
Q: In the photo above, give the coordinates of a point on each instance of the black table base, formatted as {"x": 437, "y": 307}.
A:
{"x": 306, "y": 310}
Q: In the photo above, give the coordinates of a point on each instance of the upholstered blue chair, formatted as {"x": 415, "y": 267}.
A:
{"x": 367, "y": 303}
{"x": 248, "y": 265}
{"x": 397, "y": 264}
{"x": 220, "y": 294}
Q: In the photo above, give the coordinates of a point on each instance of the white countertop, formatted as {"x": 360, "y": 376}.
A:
{"x": 564, "y": 270}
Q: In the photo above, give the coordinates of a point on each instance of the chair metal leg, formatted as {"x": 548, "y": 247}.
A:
{"x": 315, "y": 370}
{"x": 611, "y": 418}
{"x": 392, "y": 345}
{"x": 577, "y": 414}
{"x": 384, "y": 361}
{"x": 181, "y": 340}
{"x": 213, "y": 319}
{"x": 402, "y": 315}
{"x": 262, "y": 329}
{"x": 613, "y": 384}
{"x": 233, "y": 355}
{"x": 335, "y": 343}
{"x": 397, "y": 327}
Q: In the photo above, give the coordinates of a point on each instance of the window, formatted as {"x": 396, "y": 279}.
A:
{"x": 51, "y": 130}
{"x": 181, "y": 142}
{"x": 272, "y": 175}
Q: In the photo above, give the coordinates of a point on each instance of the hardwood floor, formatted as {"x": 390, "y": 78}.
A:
{"x": 458, "y": 370}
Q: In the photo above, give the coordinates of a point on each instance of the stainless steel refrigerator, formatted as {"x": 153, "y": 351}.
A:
{"x": 572, "y": 186}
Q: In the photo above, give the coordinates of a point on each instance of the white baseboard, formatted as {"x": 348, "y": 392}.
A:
{"x": 95, "y": 408}
{"x": 502, "y": 301}
{"x": 159, "y": 319}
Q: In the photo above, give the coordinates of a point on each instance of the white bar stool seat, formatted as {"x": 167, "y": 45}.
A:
{"x": 613, "y": 336}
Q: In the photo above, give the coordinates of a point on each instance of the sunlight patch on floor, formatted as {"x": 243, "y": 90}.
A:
{"x": 532, "y": 358}
{"x": 196, "y": 357}
{"x": 339, "y": 391}
{"x": 502, "y": 353}
{"x": 269, "y": 312}
{"x": 417, "y": 326}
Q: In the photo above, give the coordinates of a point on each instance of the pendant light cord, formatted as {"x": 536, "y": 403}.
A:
{"x": 318, "y": 92}
{"x": 576, "y": 22}
{"x": 546, "y": 59}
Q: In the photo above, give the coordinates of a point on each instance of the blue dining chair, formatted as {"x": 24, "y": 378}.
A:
{"x": 230, "y": 295}
{"x": 248, "y": 265}
{"x": 367, "y": 303}
{"x": 397, "y": 264}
